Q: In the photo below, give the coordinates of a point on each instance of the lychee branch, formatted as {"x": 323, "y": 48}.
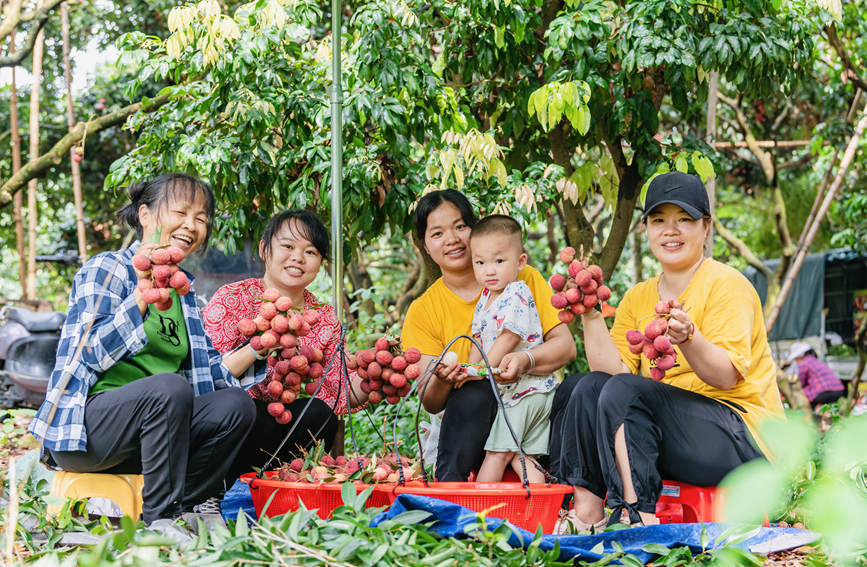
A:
{"x": 60, "y": 150}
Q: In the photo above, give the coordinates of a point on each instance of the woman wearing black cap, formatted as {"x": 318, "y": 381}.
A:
{"x": 623, "y": 432}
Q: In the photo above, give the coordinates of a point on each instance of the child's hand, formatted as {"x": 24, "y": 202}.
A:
{"x": 512, "y": 366}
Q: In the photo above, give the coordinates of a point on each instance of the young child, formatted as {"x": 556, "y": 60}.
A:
{"x": 506, "y": 320}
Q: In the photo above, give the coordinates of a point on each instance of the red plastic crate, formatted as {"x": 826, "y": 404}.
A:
{"x": 323, "y": 497}
{"x": 685, "y": 503}
{"x": 540, "y": 508}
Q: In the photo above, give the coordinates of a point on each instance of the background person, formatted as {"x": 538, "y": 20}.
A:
{"x": 624, "y": 432}
{"x": 443, "y": 220}
{"x": 293, "y": 247}
{"x": 148, "y": 393}
{"x": 820, "y": 384}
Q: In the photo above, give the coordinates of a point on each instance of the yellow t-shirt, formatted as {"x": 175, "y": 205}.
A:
{"x": 439, "y": 315}
{"x": 727, "y": 311}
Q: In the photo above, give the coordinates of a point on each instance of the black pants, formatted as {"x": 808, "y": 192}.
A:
{"x": 470, "y": 412}
{"x": 670, "y": 433}
{"x": 317, "y": 423}
{"x": 827, "y": 397}
{"x": 182, "y": 444}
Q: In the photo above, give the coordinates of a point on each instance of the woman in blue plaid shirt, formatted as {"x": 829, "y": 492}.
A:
{"x": 139, "y": 390}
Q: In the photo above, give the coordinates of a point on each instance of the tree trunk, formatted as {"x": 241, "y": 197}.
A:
{"x": 710, "y": 138}
{"x": 38, "y": 50}
{"x": 42, "y": 164}
{"x": 637, "y": 258}
{"x": 70, "y": 122}
{"x": 15, "y": 136}
{"x": 855, "y": 383}
{"x": 792, "y": 391}
{"x": 793, "y": 270}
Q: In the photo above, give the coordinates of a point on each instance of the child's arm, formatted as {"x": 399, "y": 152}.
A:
{"x": 507, "y": 342}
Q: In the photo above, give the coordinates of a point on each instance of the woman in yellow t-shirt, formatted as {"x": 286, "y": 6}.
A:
{"x": 443, "y": 220}
{"x": 623, "y": 432}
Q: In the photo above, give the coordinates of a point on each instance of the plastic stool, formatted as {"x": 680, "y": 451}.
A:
{"x": 122, "y": 489}
{"x": 685, "y": 503}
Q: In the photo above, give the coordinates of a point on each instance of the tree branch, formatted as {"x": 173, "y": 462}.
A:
{"x": 39, "y": 166}
{"x": 39, "y": 17}
{"x": 761, "y": 156}
{"x": 742, "y": 249}
{"x": 834, "y": 40}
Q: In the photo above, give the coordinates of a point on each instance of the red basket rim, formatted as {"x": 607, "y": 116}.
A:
{"x": 416, "y": 486}
{"x": 485, "y": 488}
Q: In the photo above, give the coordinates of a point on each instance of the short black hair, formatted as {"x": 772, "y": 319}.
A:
{"x": 499, "y": 224}
{"x": 434, "y": 199}
{"x": 313, "y": 230}
{"x": 157, "y": 192}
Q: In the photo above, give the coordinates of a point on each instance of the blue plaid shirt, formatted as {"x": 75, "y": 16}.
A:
{"x": 102, "y": 291}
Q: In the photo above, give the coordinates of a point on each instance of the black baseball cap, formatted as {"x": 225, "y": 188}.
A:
{"x": 681, "y": 189}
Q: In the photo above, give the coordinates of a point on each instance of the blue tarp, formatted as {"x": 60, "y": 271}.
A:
{"x": 451, "y": 520}
{"x": 238, "y": 497}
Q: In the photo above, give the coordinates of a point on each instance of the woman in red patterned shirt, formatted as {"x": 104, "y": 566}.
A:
{"x": 293, "y": 246}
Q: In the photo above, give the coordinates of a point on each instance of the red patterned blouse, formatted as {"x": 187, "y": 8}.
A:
{"x": 238, "y": 300}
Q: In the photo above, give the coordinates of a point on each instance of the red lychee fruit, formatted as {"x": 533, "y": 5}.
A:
{"x": 381, "y": 343}
{"x": 567, "y": 254}
{"x": 412, "y": 355}
{"x": 634, "y": 337}
{"x": 603, "y": 293}
{"x": 565, "y": 316}
{"x": 270, "y": 294}
{"x": 161, "y": 256}
{"x": 412, "y": 372}
{"x": 557, "y": 282}
{"x": 275, "y": 409}
{"x": 657, "y": 374}
{"x": 559, "y": 301}
{"x": 398, "y": 363}
{"x": 283, "y": 304}
{"x": 383, "y": 357}
{"x": 284, "y": 418}
{"x": 141, "y": 262}
{"x": 267, "y": 310}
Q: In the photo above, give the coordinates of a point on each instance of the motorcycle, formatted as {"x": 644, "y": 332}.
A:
{"x": 28, "y": 348}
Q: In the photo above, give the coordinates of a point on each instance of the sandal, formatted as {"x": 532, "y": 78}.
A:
{"x": 569, "y": 524}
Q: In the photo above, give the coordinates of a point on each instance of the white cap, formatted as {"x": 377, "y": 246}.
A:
{"x": 796, "y": 350}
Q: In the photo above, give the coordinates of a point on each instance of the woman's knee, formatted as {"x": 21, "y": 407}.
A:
{"x": 172, "y": 390}
{"x": 588, "y": 388}
{"x": 619, "y": 390}
{"x": 240, "y": 405}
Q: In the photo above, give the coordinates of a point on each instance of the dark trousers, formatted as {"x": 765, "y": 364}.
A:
{"x": 470, "y": 411}
{"x": 182, "y": 444}
{"x": 317, "y": 423}
{"x": 670, "y": 433}
{"x": 827, "y": 397}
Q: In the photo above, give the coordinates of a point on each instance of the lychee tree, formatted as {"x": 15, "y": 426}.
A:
{"x": 534, "y": 107}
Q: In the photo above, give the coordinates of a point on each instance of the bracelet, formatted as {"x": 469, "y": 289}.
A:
{"x": 532, "y": 361}
{"x": 691, "y": 332}
{"x": 256, "y": 354}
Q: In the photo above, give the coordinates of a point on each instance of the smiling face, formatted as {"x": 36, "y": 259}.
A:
{"x": 497, "y": 259}
{"x": 182, "y": 220}
{"x": 675, "y": 238}
{"x": 447, "y": 238}
{"x": 293, "y": 261}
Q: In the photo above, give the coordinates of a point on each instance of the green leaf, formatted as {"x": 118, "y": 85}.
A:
{"x": 411, "y": 517}
{"x": 348, "y": 494}
{"x": 680, "y": 164}
{"x": 499, "y": 36}
{"x": 656, "y": 549}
